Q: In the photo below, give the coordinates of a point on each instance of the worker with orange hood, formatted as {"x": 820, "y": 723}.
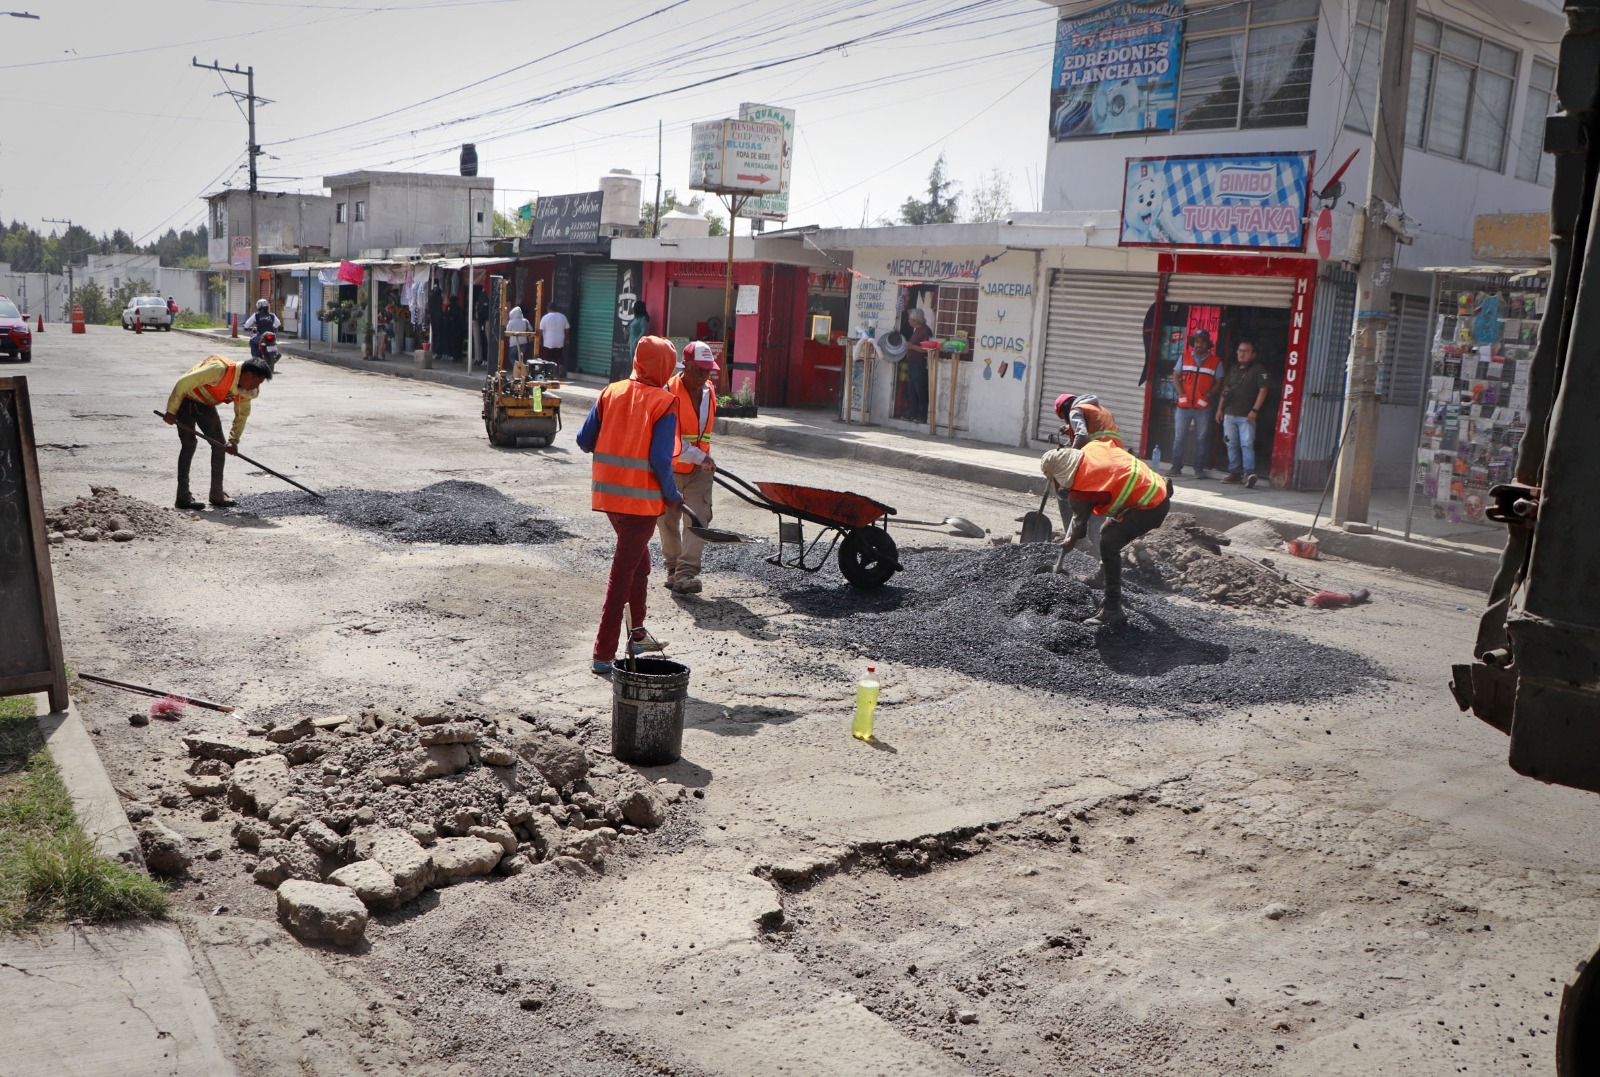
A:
{"x": 632, "y": 432}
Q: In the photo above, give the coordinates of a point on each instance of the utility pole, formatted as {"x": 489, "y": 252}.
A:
{"x": 1380, "y": 223}
{"x": 252, "y": 151}
{"x": 66, "y": 307}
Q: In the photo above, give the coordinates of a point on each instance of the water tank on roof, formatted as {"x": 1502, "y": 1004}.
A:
{"x": 619, "y": 201}
{"x": 469, "y": 159}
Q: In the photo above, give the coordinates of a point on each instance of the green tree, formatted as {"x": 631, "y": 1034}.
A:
{"x": 941, "y": 205}
{"x": 96, "y": 307}
{"x": 507, "y": 226}
{"x": 992, "y": 200}
{"x": 123, "y": 296}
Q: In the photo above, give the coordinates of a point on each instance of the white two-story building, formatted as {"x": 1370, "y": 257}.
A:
{"x": 1193, "y": 151}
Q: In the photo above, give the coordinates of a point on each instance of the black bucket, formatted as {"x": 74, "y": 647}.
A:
{"x": 647, "y": 697}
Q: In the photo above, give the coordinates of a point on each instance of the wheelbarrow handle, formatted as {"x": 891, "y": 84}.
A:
{"x": 754, "y": 497}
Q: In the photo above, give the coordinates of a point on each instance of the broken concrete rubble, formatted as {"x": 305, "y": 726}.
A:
{"x": 319, "y": 912}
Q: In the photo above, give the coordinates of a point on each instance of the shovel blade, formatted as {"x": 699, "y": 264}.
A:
{"x": 1036, "y": 527}
{"x": 719, "y": 536}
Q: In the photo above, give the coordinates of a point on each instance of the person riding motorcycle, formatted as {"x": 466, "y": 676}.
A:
{"x": 260, "y": 323}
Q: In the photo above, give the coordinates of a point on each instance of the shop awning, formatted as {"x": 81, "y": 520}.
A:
{"x": 1510, "y": 272}
{"x": 476, "y": 263}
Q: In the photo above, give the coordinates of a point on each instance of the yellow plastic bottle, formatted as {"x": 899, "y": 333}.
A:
{"x": 866, "y": 703}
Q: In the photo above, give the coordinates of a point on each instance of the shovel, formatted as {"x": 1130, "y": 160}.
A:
{"x": 712, "y": 534}
{"x": 1036, "y": 525}
{"x": 223, "y": 445}
{"x": 960, "y": 524}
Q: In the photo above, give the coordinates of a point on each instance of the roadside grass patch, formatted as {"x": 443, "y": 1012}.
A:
{"x": 49, "y": 870}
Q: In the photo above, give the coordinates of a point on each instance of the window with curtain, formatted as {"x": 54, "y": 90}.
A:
{"x": 1533, "y": 163}
{"x": 1247, "y": 65}
{"x": 1459, "y": 101}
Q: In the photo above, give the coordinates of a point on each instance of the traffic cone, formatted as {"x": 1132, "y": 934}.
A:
{"x": 235, "y": 332}
{"x": 41, "y": 324}
{"x": 138, "y": 324}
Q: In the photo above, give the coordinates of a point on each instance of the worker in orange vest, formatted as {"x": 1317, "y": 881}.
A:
{"x": 1194, "y": 378}
{"x": 632, "y": 432}
{"x": 1101, "y": 479}
{"x": 1085, "y": 419}
{"x": 194, "y": 402}
{"x": 694, "y": 395}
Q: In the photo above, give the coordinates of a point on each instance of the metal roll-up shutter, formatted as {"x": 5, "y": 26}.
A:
{"x": 1405, "y": 360}
{"x": 597, "y": 316}
{"x": 1322, "y": 399}
{"x": 236, "y": 296}
{"x": 1229, "y": 291}
{"x": 1094, "y": 343}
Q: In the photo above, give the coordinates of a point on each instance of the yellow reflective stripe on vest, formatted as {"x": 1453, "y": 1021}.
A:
{"x": 633, "y": 463}
{"x": 618, "y": 490}
{"x": 1106, "y": 435}
{"x": 1120, "y": 502}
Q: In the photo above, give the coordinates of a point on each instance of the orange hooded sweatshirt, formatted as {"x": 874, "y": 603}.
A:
{"x": 633, "y": 432}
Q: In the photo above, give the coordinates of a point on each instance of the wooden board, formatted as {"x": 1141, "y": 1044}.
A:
{"x": 30, "y": 647}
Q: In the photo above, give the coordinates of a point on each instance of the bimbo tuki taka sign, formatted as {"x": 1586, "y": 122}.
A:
{"x": 736, "y": 157}
{"x": 1225, "y": 201}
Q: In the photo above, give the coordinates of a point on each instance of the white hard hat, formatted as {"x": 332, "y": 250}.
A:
{"x": 261, "y": 304}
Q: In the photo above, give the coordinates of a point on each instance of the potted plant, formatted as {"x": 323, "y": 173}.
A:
{"x": 741, "y": 405}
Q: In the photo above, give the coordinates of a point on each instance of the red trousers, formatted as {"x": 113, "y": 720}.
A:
{"x": 629, "y": 580}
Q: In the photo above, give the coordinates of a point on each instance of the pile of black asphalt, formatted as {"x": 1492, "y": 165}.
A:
{"x": 998, "y": 614}
{"x": 452, "y": 513}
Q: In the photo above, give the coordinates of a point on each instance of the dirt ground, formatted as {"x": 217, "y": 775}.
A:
{"x": 1012, "y": 881}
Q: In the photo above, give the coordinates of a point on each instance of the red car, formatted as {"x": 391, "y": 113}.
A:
{"x": 16, "y": 339}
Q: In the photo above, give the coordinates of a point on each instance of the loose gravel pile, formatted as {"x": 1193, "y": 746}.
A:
{"x": 1001, "y": 615}
{"x": 1196, "y": 561}
{"x": 107, "y": 514}
{"x": 452, "y": 513}
{"x": 387, "y": 804}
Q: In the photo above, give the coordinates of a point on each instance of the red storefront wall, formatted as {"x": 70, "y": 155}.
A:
{"x": 1286, "y": 431}
{"x": 767, "y": 344}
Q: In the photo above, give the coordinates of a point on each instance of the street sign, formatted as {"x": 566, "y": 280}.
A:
{"x": 736, "y": 157}
{"x": 771, "y": 207}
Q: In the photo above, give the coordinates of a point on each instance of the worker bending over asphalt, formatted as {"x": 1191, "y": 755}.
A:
{"x": 694, "y": 395}
{"x": 194, "y": 401}
{"x": 632, "y": 432}
{"x": 1085, "y": 419}
{"x": 1101, "y": 479}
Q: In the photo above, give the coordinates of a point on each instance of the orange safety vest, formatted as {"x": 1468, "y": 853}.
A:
{"x": 620, "y": 478}
{"x": 1098, "y": 418}
{"x": 220, "y": 391}
{"x": 689, "y": 432}
{"x": 1196, "y": 380}
{"x": 1132, "y": 483}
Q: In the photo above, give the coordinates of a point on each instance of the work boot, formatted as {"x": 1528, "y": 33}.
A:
{"x": 1096, "y": 579}
{"x": 1175, "y": 470}
{"x": 1109, "y": 614}
{"x": 687, "y": 583}
{"x": 187, "y": 500}
{"x": 1233, "y": 478}
{"x": 221, "y": 500}
{"x": 667, "y": 583}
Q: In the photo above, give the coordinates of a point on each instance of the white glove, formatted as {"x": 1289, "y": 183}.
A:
{"x": 691, "y": 455}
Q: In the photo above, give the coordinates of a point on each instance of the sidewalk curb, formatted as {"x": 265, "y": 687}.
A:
{"x": 1474, "y": 571}
{"x": 94, "y": 798}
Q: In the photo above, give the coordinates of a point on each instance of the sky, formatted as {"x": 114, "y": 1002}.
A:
{"x": 107, "y": 123}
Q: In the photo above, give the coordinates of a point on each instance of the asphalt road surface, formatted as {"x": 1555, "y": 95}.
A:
{"x": 1341, "y": 877}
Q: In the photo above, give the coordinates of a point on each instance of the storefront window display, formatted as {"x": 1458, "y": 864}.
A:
{"x": 950, "y": 312}
{"x": 1475, "y": 409}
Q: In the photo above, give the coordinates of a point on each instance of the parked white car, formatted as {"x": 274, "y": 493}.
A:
{"x": 150, "y": 311}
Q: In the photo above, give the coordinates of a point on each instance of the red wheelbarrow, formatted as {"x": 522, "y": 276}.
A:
{"x": 858, "y": 526}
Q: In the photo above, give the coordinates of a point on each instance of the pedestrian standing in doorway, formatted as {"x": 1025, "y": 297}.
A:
{"x": 694, "y": 395}
{"x": 1195, "y": 378}
{"x": 638, "y": 326}
{"x": 553, "y": 328}
{"x": 455, "y": 329}
{"x": 1244, "y": 394}
{"x": 917, "y": 367}
{"x": 193, "y": 403}
{"x": 632, "y": 432}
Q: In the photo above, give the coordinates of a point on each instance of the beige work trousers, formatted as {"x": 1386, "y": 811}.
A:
{"x": 681, "y": 547}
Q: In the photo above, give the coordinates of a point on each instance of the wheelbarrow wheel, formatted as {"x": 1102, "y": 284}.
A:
{"x": 868, "y": 557}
